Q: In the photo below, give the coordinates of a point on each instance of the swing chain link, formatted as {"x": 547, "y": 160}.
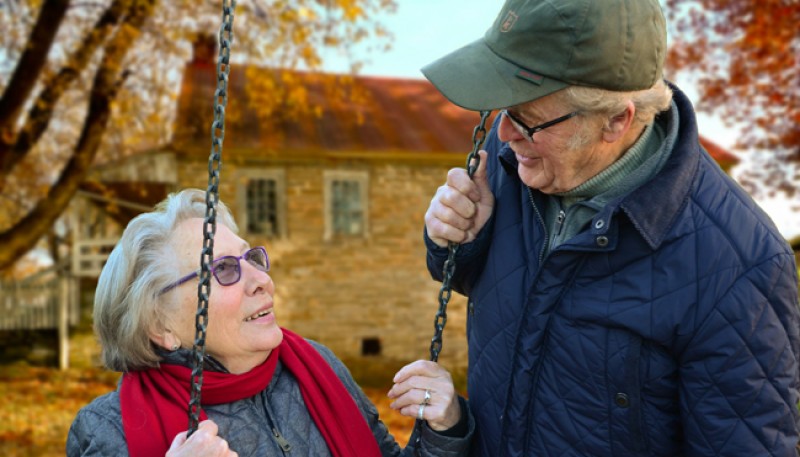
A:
{"x": 210, "y": 222}
{"x": 473, "y": 160}
{"x": 445, "y": 292}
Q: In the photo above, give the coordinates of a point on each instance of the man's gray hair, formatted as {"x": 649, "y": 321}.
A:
{"x": 128, "y": 305}
{"x": 648, "y": 102}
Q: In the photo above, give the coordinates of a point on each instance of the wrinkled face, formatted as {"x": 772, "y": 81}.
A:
{"x": 242, "y": 329}
{"x": 562, "y": 156}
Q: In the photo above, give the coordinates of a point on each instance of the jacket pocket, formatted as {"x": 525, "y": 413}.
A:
{"x": 631, "y": 438}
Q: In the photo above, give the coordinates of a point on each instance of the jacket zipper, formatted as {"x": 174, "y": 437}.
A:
{"x": 560, "y": 218}
{"x": 541, "y": 222}
{"x": 560, "y": 221}
{"x": 282, "y": 442}
{"x": 535, "y": 279}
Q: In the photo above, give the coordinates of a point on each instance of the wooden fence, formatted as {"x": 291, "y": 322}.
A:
{"x": 46, "y": 300}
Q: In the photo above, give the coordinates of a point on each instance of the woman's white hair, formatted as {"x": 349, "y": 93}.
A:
{"x": 128, "y": 305}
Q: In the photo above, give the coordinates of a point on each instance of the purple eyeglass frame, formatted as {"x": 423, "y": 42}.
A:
{"x": 238, "y": 259}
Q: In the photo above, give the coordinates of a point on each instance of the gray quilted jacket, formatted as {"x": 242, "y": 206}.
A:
{"x": 274, "y": 422}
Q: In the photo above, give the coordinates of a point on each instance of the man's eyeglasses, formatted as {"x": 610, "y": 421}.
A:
{"x": 227, "y": 269}
{"x": 528, "y": 132}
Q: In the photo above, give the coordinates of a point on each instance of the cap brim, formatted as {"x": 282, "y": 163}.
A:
{"x": 475, "y": 78}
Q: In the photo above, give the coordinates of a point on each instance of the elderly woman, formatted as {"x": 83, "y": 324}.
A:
{"x": 266, "y": 391}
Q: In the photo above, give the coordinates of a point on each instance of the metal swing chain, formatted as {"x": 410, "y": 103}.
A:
{"x": 445, "y": 292}
{"x": 210, "y": 223}
{"x": 473, "y": 160}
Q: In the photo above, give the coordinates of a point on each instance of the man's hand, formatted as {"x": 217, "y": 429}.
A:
{"x": 460, "y": 207}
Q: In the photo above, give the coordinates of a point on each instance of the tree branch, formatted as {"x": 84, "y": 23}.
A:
{"x": 108, "y": 79}
{"x": 41, "y": 111}
{"x": 26, "y": 73}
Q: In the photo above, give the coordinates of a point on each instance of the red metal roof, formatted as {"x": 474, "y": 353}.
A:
{"x": 386, "y": 115}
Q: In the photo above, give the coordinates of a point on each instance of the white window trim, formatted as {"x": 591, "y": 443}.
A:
{"x": 242, "y": 177}
{"x": 329, "y": 176}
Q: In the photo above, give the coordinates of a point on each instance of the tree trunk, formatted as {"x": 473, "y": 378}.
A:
{"x": 26, "y": 73}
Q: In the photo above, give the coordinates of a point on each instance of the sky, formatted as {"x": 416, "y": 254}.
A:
{"x": 425, "y": 30}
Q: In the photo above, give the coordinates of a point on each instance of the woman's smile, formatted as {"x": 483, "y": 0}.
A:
{"x": 264, "y": 316}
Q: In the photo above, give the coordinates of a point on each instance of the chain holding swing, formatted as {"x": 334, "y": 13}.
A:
{"x": 445, "y": 292}
{"x": 473, "y": 160}
{"x": 210, "y": 222}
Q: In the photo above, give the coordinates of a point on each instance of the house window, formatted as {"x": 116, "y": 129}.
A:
{"x": 262, "y": 206}
{"x": 345, "y": 203}
{"x": 347, "y": 213}
{"x": 261, "y": 200}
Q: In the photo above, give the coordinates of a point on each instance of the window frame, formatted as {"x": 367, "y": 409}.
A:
{"x": 360, "y": 177}
{"x": 243, "y": 178}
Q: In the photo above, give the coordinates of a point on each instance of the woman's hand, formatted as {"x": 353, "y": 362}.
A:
{"x": 441, "y": 409}
{"x": 203, "y": 443}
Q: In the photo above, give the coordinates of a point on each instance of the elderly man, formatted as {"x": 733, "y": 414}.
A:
{"x": 626, "y": 297}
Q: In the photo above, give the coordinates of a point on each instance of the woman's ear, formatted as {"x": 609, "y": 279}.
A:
{"x": 166, "y": 339}
{"x": 620, "y": 124}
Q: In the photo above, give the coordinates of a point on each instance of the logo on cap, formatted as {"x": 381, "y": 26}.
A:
{"x": 509, "y": 21}
{"x": 529, "y": 76}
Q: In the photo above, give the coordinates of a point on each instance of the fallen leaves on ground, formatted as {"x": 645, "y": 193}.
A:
{"x": 40, "y": 405}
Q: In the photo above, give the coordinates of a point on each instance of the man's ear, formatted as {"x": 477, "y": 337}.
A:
{"x": 620, "y": 124}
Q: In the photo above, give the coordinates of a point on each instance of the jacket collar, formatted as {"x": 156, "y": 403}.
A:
{"x": 670, "y": 189}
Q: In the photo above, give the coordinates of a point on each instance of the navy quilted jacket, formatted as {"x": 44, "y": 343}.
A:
{"x": 667, "y": 327}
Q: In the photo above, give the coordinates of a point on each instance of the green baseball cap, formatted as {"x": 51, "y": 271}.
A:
{"x": 536, "y": 47}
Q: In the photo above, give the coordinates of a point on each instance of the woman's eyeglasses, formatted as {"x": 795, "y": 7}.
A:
{"x": 227, "y": 269}
{"x": 528, "y": 132}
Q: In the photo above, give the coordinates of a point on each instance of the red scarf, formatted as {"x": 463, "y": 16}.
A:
{"x": 154, "y": 402}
